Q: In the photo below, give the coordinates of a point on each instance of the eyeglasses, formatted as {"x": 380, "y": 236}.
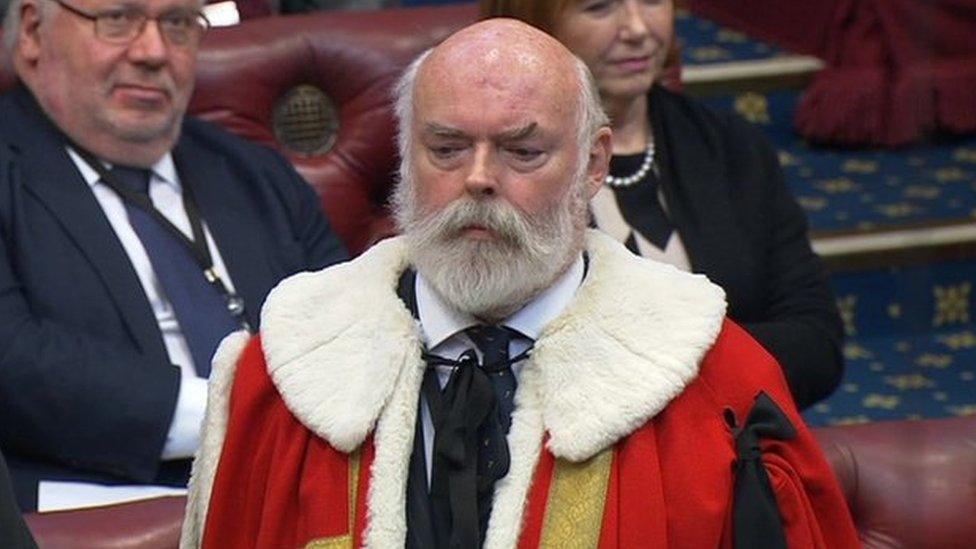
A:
{"x": 180, "y": 27}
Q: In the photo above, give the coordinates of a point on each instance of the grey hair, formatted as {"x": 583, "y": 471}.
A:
{"x": 591, "y": 115}
{"x": 590, "y": 118}
{"x": 403, "y": 102}
{"x": 10, "y": 24}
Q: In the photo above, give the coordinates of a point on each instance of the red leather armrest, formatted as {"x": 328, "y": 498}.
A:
{"x": 148, "y": 524}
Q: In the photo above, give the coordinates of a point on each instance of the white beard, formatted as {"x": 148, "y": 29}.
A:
{"x": 491, "y": 278}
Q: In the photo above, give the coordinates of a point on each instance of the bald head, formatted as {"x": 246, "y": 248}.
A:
{"x": 498, "y": 54}
{"x": 502, "y": 53}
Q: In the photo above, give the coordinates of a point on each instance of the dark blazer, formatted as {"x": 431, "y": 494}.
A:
{"x": 86, "y": 388}
{"x": 743, "y": 229}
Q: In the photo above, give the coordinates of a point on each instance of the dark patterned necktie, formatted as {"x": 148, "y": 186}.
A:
{"x": 200, "y": 309}
{"x": 494, "y": 458}
{"x": 493, "y": 342}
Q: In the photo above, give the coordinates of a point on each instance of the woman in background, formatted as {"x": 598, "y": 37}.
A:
{"x": 698, "y": 189}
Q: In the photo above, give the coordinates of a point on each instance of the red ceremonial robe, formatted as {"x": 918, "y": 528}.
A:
{"x": 666, "y": 482}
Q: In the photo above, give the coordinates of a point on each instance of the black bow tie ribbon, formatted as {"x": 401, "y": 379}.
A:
{"x": 470, "y": 452}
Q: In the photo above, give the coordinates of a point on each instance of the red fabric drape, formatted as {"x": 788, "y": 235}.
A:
{"x": 798, "y": 26}
{"x": 896, "y": 71}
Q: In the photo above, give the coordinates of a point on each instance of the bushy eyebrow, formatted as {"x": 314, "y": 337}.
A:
{"x": 447, "y": 132}
{"x": 519, "y": 133}
{"x": 439, "y": 130}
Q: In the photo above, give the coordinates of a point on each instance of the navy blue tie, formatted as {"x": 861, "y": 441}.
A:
{"x": 200, "y": 309}
{"x": 493, "y": 342}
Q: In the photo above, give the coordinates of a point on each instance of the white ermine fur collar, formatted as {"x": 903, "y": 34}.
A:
{"x": 337, "y": 340}
{"x": 344, "y": 352}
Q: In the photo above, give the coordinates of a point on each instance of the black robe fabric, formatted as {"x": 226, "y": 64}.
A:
{"x": 741, "y": 227}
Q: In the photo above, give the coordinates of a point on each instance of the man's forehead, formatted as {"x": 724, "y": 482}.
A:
{"x": 493, "y": 65}
{"x": 488, "y": 58}
{"x": 501, "y": 109}
{"x": 497, "y": 79}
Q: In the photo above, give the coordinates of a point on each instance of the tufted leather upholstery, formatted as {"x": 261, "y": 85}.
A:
{"x": 148, "y": 524}
{"x": 355, "y": 58}
{"x": 908, "y": 485}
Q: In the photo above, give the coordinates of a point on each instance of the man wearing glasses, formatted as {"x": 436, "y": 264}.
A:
{"x": 133, "y": 240}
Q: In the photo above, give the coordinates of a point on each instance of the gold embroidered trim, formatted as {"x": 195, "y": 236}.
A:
{"x": 577, "y": 497}
{"x": 337, "y": 542}
{"x": 344, "y": 541}
{"x": 354, "y": 459}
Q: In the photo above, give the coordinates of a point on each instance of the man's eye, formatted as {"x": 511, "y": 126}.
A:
{"x": 524, "y": 154}
{"x": 178, "y": 20}
{"x": 116, "y": 17}
{"x": 445, "y": 151}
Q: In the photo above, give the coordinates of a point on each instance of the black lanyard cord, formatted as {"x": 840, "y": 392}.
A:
{"x": 197, "y": 246}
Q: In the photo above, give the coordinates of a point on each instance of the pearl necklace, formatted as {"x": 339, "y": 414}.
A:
{"x": 636, "y": 176}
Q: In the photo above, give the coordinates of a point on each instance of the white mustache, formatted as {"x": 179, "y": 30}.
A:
{"x": 496, "y": 216}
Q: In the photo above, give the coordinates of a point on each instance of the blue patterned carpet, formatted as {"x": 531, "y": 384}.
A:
{"x": 842, "y": 190}
{"x": 906, "y": 377}
{"x": 856, "y": 190}
{"x": 704, "y": 42}
{"x": 911, "y": 348}
{"x": 911, "y": 351}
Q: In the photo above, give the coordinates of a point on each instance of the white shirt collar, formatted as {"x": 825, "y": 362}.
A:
{"x": 163, "y": 171}
{"x": 439, "y": 321}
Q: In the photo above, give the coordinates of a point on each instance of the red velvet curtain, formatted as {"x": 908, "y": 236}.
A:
{"x": 897, "y": 70}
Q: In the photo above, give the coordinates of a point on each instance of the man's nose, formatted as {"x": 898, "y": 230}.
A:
{"x": 149, "y": 45}
{"x": 481, "y": 180}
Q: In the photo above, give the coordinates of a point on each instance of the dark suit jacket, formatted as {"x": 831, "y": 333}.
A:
{"x": 13, "y": 532}
{"x": 742, "y": 228}
{"x": 86, "y": 388}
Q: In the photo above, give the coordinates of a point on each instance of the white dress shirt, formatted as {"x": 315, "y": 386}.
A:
{"x": 443, "y": 333}
{"x": 183, "y": 436}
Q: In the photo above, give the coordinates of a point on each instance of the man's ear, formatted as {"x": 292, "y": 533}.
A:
{"x": 599, "y": 160}
{"x": 27, "y": 46}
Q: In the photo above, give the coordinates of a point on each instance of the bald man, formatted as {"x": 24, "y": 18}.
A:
{"x": 500, "y": 375}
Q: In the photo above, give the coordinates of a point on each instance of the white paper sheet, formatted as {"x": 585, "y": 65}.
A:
{"x": 62, "y": 496}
